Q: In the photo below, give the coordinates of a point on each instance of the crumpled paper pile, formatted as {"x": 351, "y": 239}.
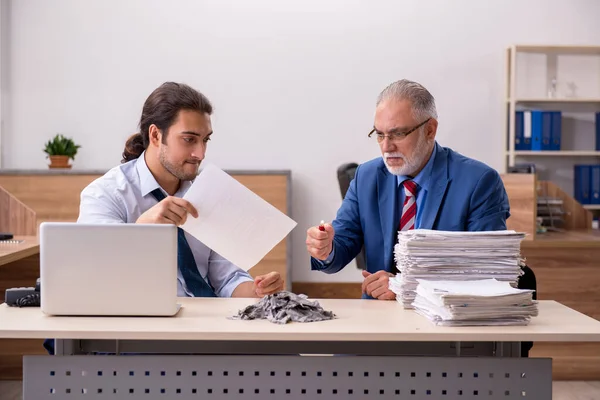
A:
{"x": 284, "y": 307}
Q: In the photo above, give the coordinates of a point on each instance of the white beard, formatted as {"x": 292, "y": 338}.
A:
{"x": 413, "y": 163}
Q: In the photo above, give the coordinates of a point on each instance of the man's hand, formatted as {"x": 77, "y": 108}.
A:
{"x": 320, "y": 243}
{"x": 377, "y": 285}
{"x": 171, "y": 210}
{"x": 268, "y": 284}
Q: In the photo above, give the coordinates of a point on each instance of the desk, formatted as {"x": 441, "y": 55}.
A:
{"x": 19, "y": 266}
{"x": 402, "y": 354}
{"x": 11, "y": 252}
{"x": 567, "y": 270}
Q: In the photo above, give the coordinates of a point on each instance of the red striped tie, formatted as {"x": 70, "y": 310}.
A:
{"x": 409, "y": 210}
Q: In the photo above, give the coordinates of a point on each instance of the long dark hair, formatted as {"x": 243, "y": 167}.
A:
{"x": 161, "y": 109}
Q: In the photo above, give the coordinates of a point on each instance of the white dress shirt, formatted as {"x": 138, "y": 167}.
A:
{"x": 124, "y": 193}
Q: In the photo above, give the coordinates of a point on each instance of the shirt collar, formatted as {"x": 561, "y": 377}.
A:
{"x": 147, "y": 181}
{"x": 422, "y": 178}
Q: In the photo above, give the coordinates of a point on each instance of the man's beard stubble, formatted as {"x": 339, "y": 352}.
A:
{"x": 176, "y": 170}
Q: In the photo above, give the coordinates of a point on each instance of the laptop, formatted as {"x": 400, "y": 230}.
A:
{"x": 108, "y": 269}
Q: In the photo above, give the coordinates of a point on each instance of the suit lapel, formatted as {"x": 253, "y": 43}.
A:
{"x": 437, "y": 189}
{"x": 387, "y": 193}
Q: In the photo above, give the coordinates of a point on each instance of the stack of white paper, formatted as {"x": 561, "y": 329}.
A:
{"x": 454, "y": 256}
{"x": 478, "y": 302}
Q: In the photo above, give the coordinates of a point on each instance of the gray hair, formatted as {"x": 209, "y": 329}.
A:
{"x": 423, "y": 103}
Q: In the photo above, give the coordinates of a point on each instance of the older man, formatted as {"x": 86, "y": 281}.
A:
{"x": 415, "y": 184}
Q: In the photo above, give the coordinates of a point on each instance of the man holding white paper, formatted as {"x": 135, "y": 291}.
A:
{"x": 158, "y": 168}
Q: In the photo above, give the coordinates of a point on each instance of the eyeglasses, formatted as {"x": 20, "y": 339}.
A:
{"x": 396, "y": 137}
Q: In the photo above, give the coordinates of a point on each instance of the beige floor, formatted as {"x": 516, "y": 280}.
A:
{"x": 565, "y": 390}
{"x": 11, "y": 390}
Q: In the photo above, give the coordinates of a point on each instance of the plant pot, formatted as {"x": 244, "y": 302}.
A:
{"x": 59, "y": 162}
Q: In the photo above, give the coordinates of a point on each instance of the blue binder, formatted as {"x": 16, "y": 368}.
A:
{"x": 556, "y": 130}
{"x": 598, "y": 131}
{"x": 524, "y": 130}
{"x": 547, "y": 117}
{"x": 582, "y": 184}
{"x": 520, "y": 143}
{"x": 595, "y": 184}
{"x": 536, "y": 130}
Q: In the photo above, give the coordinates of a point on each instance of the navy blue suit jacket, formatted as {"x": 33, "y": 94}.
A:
{"x": 464, "y": 195}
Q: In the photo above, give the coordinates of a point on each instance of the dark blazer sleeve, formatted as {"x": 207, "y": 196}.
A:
{"x": 348, "y": 239}
{"x": 489, "y": 206}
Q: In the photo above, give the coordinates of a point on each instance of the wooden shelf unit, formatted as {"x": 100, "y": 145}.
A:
{"x": 516, "y": 101}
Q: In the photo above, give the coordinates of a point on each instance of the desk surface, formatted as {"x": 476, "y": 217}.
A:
{"x": 358, "y": 320}
{"x": 10, "y": 252}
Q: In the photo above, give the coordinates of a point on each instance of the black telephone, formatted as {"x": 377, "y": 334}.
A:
{"x": 24, "y": 296}
{"x": 6, "y": 236}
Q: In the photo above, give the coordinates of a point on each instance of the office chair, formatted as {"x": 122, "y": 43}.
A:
{"x": 345, "y": 174}
{"x": 527, "y": 281}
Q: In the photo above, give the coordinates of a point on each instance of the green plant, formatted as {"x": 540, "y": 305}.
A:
{"x": 61, "y": 146}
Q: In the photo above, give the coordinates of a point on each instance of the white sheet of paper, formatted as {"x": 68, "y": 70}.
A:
{"x": 232, "y": 220}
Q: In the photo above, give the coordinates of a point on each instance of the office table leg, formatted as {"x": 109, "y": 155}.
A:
{"x": 64, "y": 347}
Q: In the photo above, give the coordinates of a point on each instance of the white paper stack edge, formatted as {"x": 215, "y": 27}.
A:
{"x": 474, "y": 303}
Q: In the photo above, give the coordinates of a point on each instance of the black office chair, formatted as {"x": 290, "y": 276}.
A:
{"x": 345, "y": 175}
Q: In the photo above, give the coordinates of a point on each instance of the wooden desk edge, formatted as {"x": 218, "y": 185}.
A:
{"x": 21, "y": 250}
{"x": 304, "y": 337}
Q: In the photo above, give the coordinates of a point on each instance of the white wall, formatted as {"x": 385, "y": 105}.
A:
{"x": 293, "y": 82}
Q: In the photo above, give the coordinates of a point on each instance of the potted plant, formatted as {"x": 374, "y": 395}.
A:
{"x": 60, "y": 149}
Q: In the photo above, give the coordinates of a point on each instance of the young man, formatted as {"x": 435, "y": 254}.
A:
{"x": 159, "y": 164}
{"x": 415, "y": 184}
